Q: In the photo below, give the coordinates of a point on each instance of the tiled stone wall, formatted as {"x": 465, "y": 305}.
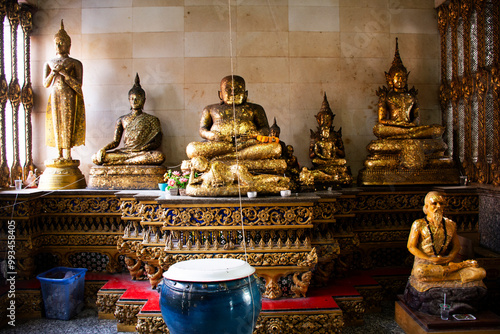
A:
{"x": 289, "y": 51}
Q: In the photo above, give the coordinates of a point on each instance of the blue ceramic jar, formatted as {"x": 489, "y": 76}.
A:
{"x": 210, "y": 296}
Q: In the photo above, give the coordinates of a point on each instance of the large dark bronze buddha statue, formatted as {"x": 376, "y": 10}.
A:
{"x": 141, "y": 134}
{"x": 236, "y": 142}
{"x": 137, "y": 163}
{"x": 405, "y": 152}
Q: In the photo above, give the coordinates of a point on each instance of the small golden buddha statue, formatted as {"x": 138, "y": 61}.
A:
{"x": 137, "y": 164}
{"x": 236, "y": 133}
{"x": 327, "y": 153}
{"x": 65, "y": 116}
{"x": 141, "y": 135}
{"x": 434, "y": 242}
{"x": 405, "y": 151}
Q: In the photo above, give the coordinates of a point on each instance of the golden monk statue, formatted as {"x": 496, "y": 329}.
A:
{"x": 327, "y": 154}
{"x": 434, "y": 242}
{"x": 236, "y": 132}
{"x": 65, "y": 116}
{"x": 233, "y": 126}
{"x": 141, "y": 135}
{"x": 405, "y": 151}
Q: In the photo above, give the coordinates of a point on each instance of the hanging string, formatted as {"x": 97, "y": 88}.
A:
{"x": 235, "y": 128}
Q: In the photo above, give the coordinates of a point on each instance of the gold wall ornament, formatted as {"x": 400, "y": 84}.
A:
{"x": 65, "y": 117}
{"x": 4, "y": 168}
{"x": 237, "y": 146}
{"x": 14, "y": 92}
{"x": 26, "y": 19}
{"x": 327, "y": 154}
{"x": 405, "y": 151}
{"x": 470, "y": 36}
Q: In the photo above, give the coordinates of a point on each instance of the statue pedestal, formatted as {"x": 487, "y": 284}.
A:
{"x": 414, "y": 322}
{"x": 62, "y": 174}
{"x": 126, "y": 177}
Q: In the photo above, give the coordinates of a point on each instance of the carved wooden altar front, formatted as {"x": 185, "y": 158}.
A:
{"x": 272, "y": 234}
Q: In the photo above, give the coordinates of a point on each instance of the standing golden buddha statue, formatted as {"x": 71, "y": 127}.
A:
{"x": 65, "y": 116}
{"x": 405, "y": 151}
{"x": 237, "y": 146}
{"x": 136, "y": 165}
{"x": 327, "y": 154}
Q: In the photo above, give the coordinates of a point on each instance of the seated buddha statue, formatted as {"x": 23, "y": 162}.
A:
{"x": 402, "y": 143}
{"x": 236, "y": 131}
{"x": 327, "y": 153}
{"x": 141, "y": 135}
{"x": 137, "y": 164}
{"x": 434, "y": 242}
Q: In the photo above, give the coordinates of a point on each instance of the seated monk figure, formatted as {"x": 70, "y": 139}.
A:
{"x": 434, "y": 242}
{"x": 234, "y": 128}
{"x": 141, "y": 135}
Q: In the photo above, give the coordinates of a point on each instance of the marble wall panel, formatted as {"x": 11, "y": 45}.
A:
{"x": 314, "y": 18}
{"x": 314, "y": 44}
{"x": 158, "y": 45}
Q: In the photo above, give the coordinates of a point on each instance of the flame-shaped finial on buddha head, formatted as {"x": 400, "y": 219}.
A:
{"x": 397, "y": 75}
{"x": 325, "y": 116}
{"x": 137, "y": 89}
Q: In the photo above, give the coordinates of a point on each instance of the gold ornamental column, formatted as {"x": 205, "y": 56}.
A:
{"x": 14, "y": 94}
{"x": 27, "y": 92}
{"x": 4, "y": 168}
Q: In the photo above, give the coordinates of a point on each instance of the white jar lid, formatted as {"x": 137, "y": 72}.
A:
{"x": 209, "y": 270}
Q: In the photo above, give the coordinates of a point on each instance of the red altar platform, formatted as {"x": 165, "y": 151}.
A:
{"x": 342, "y": 302}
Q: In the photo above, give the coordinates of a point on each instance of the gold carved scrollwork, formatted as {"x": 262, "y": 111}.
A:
{"x": 151, "y": 325}
{"x": 300, "y": 323}
{"x": 269, "y": 216}
{"x": 81, "y": 205}
{"x": 390, "y": 202}
{"x": 127, "y": 314}
{"x": 462, "y": 204}
{"x": 106, "y": 302}
{"x": 325, "y": 210}
{"x": 129, "y": 208}
{"x": 299, "y": 259}
{"x": 150, "y": 212}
